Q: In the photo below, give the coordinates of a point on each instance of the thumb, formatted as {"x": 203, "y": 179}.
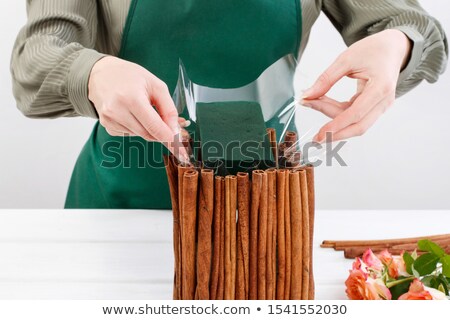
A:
{"x": 327, "y": 80}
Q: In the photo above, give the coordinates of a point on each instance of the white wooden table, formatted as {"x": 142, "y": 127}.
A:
{"x": 57, "y": 254}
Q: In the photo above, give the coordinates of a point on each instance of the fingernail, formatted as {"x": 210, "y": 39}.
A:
{"x": 306, "y": 93}
{"x": 306, "y": 104}
{"x": 187, "y": 123}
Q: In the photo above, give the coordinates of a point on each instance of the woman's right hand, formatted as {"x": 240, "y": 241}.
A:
{"x": 124, "y": 94}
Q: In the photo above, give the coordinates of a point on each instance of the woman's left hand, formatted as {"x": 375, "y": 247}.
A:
{"x": 375, "y": 62}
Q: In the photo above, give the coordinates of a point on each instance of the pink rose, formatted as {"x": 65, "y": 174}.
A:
{"x": 362, "y": 287}
{"x": 401, "y": 266}
{"x": 358, "y": 288}
{"x": 380, "y": 288}
{"x": 372, "y": 261}
{"x": 416, "y": 292}
{"x": 386, "y": 258}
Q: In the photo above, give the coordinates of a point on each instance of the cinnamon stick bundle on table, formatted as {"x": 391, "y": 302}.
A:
{"x": 243, "y": 236}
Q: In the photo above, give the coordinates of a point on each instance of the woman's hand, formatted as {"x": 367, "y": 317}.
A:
{"x": 124, "y": 94}
{"x": 375, "y": 62}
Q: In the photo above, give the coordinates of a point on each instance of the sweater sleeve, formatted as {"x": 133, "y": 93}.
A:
{"x": 356, "y": 19}
{"x": 52, "y": 59}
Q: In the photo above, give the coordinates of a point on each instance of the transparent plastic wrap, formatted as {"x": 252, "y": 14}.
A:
{"x": 242, "y": 129}
{"x": 243, "y": 209}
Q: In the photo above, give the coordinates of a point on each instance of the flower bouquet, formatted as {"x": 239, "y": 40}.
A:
{"x": 408, "y": 276}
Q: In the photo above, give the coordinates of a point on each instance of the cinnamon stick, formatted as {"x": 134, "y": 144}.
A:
{"x": 271, "y": 249}
{"x": 274, "y": 237}
{"x": 230, "y": 236}
{"x": 217, "y": 230}
{"x": 291, "y": 139}
{"x": 390, "y": 242}
{"x": 311, "y": 211}
{"x": 233, "y": 207}
{"x": 262, "y": 237}
{"x": 281, "y": 244}
{"x": 172, "y": 176}
{"x": 243, "y": 190}
{"x": 221, "y": 285}
{"x": 273, "y": 143}
{"x": 294, "y": 160}
{"x": 306, "y": 243}
{"x": 297, "y": 236}
{"x": 204, "y": 248}
{"x": 257, "y": 181}
{"x": 287, "y": 226}
{"x": 188, "y": 216}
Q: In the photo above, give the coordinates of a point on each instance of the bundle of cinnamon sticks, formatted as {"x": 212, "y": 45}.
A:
{"x": 244, "y": 236}
{"x": 355, "y": 248}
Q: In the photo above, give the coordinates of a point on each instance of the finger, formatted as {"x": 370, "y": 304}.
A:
{"x": 358, "y": 129}
{"x": 157, "y": 128}
{"x": 183, "y": 122}
{"x": 137, "y": 128}
{"x": 115, "y": 133}
{"x": 161, "y": 99}
{"x": 367, "y": 100}
{"x": 326, "y": 80}
{"x": 327, "y": 108}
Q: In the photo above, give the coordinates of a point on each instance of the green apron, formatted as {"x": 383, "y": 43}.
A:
{"x": 223, "y": 44}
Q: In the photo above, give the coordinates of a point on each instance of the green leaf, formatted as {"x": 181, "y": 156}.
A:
{"x": 426, "y": 263}
{"x": 409, "y": 260}
{"x": 445, "y": 260}
{"x": 400, "y": 289}
{"x": 429, "y": 246}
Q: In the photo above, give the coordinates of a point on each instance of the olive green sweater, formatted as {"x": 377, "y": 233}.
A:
{"x": 62, "y": 40}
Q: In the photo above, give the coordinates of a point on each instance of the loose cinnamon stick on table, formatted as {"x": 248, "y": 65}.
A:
{"x": 287, "y": 226}
{"x": 243, "y": 190}
{"x": 281, "y": 234}
{"x": 311, "y": 213}
{"x": 218, "y": 181}
{"x": 306, "y": 256}
{"x": 262, "y": 236}
{"x": 204, "y": 248}
{"x": 189, "y": 218}
{"x": 389, "y": 243}
{"x": 271, "y": 249}
{"x": 172, "y": 175}
{"x": 257, "y": 181}
{"x": 355, "y": 243}
{"x": 297, "y": 236}
{"x": 230, "y": 236}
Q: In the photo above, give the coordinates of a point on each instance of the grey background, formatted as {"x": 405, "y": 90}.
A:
{"x": 401, "y": 163}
